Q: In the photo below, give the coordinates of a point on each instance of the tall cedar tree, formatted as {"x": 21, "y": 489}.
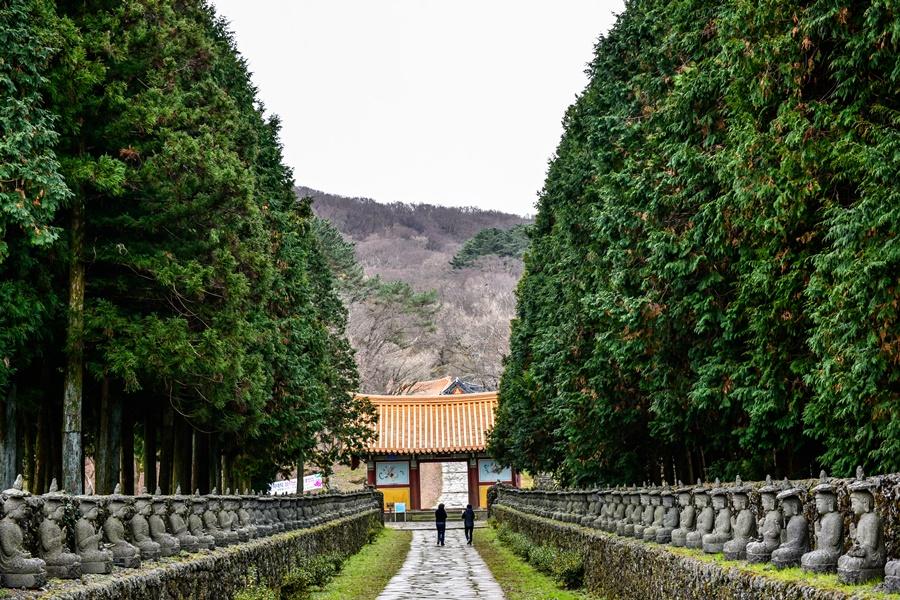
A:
{"x": 711, "y": 285}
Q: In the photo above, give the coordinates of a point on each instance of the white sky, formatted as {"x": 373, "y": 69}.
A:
{"x": 454, "y": 102}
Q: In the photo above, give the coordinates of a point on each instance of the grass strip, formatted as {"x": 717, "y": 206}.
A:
{"x": 365, "y": 574}
{"x": 518, "y": 579}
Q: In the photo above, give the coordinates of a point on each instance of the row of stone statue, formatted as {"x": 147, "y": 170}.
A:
{"x": 702, "y": 517}
{"x": 146, "y": 527}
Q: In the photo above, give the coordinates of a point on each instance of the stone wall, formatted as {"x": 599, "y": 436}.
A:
{"x": 219, "y": 574}
{"x": 618, "y": 565}
{"x": 626, "y": 569}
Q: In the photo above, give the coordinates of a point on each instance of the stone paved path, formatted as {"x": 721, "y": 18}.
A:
{"x": 452, "y": 571}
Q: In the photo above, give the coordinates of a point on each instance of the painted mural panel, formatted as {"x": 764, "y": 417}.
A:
{"x": 489, "y": 471}
{"x": 392, "y": 473}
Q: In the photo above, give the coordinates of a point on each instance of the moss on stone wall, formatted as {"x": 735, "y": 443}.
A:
{"x": 628, "y": 569}
{"x": 220, "y": 574}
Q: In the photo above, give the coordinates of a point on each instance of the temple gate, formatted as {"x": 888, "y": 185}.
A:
{"x": 448, "y": 426}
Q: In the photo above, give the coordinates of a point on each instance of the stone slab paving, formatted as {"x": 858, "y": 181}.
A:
{"x": 450, "y": 572}
{"x": 428, "y": 525}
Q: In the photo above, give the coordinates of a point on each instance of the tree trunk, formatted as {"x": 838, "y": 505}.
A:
{"x": 300, "y": 468}
{"x": 42, "y": 451}
{"x": 150, "y": 448}
{"x": 167, "y": 445}
{"x": 201, "y": 475}
{"x": 215, "y": 462}
{"x": 101, "y": 452}
{"x": 126, "y": 450}
{"x": 227, "y": 470}
{"x": 8, "y": 439}
{"x": 28, "y": 456}
{"x": 73, "y": 461}
{"x": 183, "y": 462}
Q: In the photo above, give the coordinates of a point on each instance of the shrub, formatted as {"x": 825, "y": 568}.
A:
{"x": 257, "y": 592}
{"x": 566, "y": 566}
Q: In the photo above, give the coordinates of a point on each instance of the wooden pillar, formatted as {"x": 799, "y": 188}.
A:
{"x": 414, "y": 490}
{"x": 516, "y": 479}
{"x": 370, "y": 471}
{"x": 474, "y": 496}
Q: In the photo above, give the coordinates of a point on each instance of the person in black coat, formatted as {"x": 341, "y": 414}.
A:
{"x": 468, "y": 518}
{"x": 440, "y": 520}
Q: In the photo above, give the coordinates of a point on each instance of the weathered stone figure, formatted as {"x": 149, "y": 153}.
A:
{"x": 659, "y": 513}
{"x": 705, "y": 519}
{"x": 243, "y": 513}
{"x": 94, "y": 560}
{"x": 760, "y": 551}
{"x": 18, "y": 569}
{"x": 687, "y": 517}
{"x": 211, "y": 521}
{"x": 624, "y": 525}
{"x": 124, "y": 554}
{"x": 195, "y": 522}
{"x": 643, "y": 515}
{"x": 892, "y": 576}
{"x": 865, "y": 559}
{"x": 225, "y": 520}
{"x": 714, "y": 542}
{"x": 743, "y": 527}
{"x": 178, "y": 525}
{"x": 795, "y": 535}
{"x": 829, "y": 530}
{"x": 168, "y": 543}
{"x": 140, "y": 528}
{"x": 60, "y": 562}
{"x": 671, "y": 518}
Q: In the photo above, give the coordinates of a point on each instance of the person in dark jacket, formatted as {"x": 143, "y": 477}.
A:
{"x": 440, "y": 519}
{"x": 468, "y": 518}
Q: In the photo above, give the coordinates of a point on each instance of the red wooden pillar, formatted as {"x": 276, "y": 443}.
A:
{"x": 370, "y": 471}
{"x": 516, "y": 479}
{"x": 414, "y": 490}
{"x": 474, "y": 495}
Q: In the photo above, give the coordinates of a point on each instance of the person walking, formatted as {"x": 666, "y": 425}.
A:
{"x": 468, "y": 518}
{"x": 440, "y": 520}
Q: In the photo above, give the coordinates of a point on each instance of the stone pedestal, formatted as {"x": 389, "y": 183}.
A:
{"x": 72, "y": 571}
{"x": 127, "y": 562}
{"x": 96, "y": 567}
{"x": 856, "y": 576}
{"x": 27, "y": 581}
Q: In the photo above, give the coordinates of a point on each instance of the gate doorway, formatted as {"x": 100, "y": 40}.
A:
{"x": 444, "y": 483}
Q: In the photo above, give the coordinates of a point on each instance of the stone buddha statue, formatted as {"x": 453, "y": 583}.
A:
{"x": 624, "y": 525}
{"x": 168, "y": 543}
{"x": 230, "y": 509}
{"x": 120, "y": 510}
{"x": 829, "y": 530}
{"x": 743, "y": 526}
{"x": 865, "y": 559}
{"x": 760, "y": 551}
{"x": 706, "y": 517}
{"x": 642, "y": 515}
{"x": 602, "y": 510}
{"x": 892, "y": 577}
{"x": 94, "y": 559}
{"x": 140, "y": 528}
{"x": 243, "y": 514}
{"x": 659, "y": 513}
{"x": 18, "y": 569}
{"x": 795, "y": 535}
{"x": 670, "y": 520}
{"x": 687, "y": 516}
{"x": 714, "y": 542}
{"x": 195, "y": 522}
{"x": 178, "y": 523}
{"x": 211, "y": 521}
{"x": 226, "y": 521}
{"x": 60, "y": 562}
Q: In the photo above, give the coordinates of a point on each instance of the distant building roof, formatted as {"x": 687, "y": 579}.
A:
{"x": 433, "y": 424}
{"x": 463, "y": 387}
{"x": 429, "y": 387}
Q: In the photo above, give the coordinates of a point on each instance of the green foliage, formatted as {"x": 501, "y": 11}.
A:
{"x": 492, "y": 242}
{"x": 566, "y": 566}
{"x": 206, "y": 287}
{"x": 711, "y": 283}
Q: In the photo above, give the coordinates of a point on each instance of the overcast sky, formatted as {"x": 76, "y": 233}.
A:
{"x": 455, "y": 102}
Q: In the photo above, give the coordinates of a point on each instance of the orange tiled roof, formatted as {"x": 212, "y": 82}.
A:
{"x": 433, "y": 424}
{"x": 430, "y": 387}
